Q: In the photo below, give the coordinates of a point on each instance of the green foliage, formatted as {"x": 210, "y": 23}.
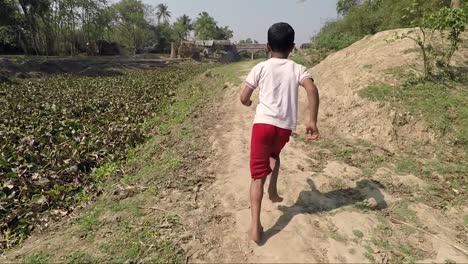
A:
{"x": 131, "y": 244}
{"x": 377, "y": 92}
{"x": 428, "y": 22}
{"x": 8, "y": 12}
{"x": 224, "y": 33}
{"x": 207, "y": 28}
{"x": 407, "y": 166}
{"x": 335, "y": 36}
{"x": 453, "y": 20}
{"x": 162, "y": 13}
{"x": 8, "y": 19}
{"x": 344, "y": 6}
{"x": 90, "y": 221}
{"x": 358, "y": 234}
{"x": 7, "y": 35}
{"x": 369, "y": 254}
{"x": 182, "y": 27}
{"x": 131, "y": 27}
{"x": 104, "y": 172}
{"x": 443, "y": 108}
{"x": 81, "y": 258}
{"x": 361, "y": 18}
{"x": 402, "y": 210}
{"x": 163, "y": 35}
{"x": 302, "y": 60}
{"x": 56, "y": 131}
{"x": 37, "y": 259}
{"x": 59, "y": 27}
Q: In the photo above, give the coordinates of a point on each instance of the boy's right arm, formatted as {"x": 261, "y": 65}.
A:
{"x": 314, "y": 101}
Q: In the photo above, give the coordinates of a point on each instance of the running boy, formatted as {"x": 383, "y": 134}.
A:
{"x": 278, "y": 80}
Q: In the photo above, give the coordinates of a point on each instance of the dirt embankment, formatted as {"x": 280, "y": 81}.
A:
{"x": 372, "y": 60}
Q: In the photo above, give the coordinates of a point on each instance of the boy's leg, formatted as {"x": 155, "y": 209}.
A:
{"x": 282, "y": 138}
{"x": 272, "y": 187}
{"x": 256, "y": 195}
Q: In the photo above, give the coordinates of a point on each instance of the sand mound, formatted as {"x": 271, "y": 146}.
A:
{"x": 342, "y": 74}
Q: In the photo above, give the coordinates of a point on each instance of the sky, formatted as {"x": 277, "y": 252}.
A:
{"x": 252, "y": 18}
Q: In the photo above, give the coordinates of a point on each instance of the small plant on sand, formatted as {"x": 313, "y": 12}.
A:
{"x": 37, "y": 259}
{"x": 81, "y": 258}
{"x": 369, "y": 253}
{"x": 442, "y": 21}
{"x": 358, "y": 234}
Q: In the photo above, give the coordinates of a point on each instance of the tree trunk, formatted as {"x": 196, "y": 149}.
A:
{"x": 73, "y": 38}
{"x": 173, "y": 51}
{"x": 22, "y": 41}
{"x": 32, "y": 26}
{"x": 456, "y": 4}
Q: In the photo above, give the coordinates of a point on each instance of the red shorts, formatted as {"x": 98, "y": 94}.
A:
{"x": 267, "y": 141}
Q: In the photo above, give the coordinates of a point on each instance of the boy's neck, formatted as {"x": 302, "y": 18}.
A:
{"x": 279, "y": 55}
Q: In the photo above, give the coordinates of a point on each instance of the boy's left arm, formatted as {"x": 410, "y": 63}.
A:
{"x": 247, "y": 92}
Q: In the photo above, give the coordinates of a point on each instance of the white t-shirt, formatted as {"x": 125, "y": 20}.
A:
{"x": 278, "y": 81}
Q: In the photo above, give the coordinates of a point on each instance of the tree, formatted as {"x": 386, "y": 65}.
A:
{"x": 443, "y": 20}
{"x": 186, "y": 21}
{"x": 451, "y": 20}
{"x": 11, "y": 25}
{"x": 206, "y": 28}
{"x": 223, "y": 33}
{"x": 182, "y": 27}
{"x": 162, "y": 13}
{"x": 32, "y": 10}
{"x": 8, "y": 13}
{"x": 344, "y": 6}
{"x": 131, "y": 24}
{"x": 64, "y": 27}
{"x": 163, "y": 35}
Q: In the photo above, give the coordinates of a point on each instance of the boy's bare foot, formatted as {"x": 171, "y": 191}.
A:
{"x": 275, "y": 198}
{"x": 256, "y": 234}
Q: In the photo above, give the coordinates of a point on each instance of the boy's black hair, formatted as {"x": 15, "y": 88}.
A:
{"x": 281, "y": 37}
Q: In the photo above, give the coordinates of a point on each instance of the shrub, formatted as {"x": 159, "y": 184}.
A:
{"x": 369, "y": 17}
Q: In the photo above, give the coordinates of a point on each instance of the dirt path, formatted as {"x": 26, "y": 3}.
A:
{"x": 325, "y": 216}
{"x": 292, "y": 233}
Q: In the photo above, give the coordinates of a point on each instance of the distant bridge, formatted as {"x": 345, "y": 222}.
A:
{"x": 252, "y": 49}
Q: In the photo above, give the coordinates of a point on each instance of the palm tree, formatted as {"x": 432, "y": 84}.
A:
{"x": 186, "y": 21}
{"x": 163, "y": 13}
